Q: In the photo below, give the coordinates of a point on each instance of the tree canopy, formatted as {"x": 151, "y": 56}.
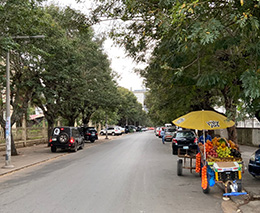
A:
{"x": 66, "y": 74}
{"x": 204, "y": 55}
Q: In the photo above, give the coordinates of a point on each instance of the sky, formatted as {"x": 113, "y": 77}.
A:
{"x": 120, "y": 63}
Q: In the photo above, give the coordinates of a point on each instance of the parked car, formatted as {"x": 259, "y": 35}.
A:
{"x": 138, "y": 128}
{"x": 89, "y": 133}
{"x": 126, "y": 129}
{"x": 254, "y": 164}
{"x": 122, "y": 129}
{"x": 111, "y": 131}
{"x": 157, "y": 131}
{"x": 66, "y": 138}
{"x": 169, "y": 132}
{"x": 184, "y": 139}
{"x": 132, "y": 128}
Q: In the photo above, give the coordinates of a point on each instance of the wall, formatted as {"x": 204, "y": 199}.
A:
{"x": 248, "y": 136}
{"x": 23, "y": 134}
{"x": 245, "y": 136}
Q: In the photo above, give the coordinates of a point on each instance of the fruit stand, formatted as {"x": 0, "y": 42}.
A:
{"x": 219, "y": 161}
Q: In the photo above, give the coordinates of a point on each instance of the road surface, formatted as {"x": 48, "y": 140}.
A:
{"x": 135, "y": 173}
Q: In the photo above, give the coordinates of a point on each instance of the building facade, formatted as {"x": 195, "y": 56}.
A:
{"x": 140, "y": 95}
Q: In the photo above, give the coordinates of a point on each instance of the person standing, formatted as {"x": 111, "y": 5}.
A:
{"x": 163, "y": 134}
{"x": 208, "y": 137}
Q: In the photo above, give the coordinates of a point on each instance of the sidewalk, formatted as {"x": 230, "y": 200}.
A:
{"x": 33, "y": 155}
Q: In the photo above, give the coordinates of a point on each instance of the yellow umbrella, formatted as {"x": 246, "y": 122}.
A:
{"x": 203, "y": 120}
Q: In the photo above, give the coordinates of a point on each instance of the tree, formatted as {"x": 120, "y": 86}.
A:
{"x": 100, "y": 87}
{"x": 17, "y": 18}
{"x": 212, "y": 37}
{"x": 129, "y": 110}
{"x": 76, "y": 79}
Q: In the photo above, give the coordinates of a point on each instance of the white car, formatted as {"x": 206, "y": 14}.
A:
{"x": 158, "y": 130}
{"x": 111, "y": 131}
{"x": 122, "y": 129}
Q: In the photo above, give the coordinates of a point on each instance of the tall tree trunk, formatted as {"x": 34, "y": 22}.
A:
{"x": 50, "y": 128}
{"x": 86, "y": 118}
{"x": 231, "y": 108}
{"x": 232, "y": 134}
{"x": 71, "y": 122}
{"x": 257, "y": 115}
{"x": 13, "y": 148}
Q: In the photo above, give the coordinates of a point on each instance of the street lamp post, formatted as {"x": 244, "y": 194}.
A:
{"x": 8, "y": 164}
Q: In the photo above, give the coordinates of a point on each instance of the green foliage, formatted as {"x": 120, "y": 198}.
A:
{"x": 129, "y": 110}
{"x": 201, "y": 49}
{"x": 251, "y": 83}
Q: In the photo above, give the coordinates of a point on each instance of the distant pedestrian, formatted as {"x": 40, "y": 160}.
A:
{"x": 162, "y": 134}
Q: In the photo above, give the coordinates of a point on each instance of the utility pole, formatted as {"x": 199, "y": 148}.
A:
{"x": 8, "y": 164}
{"x": 106, "y": 128}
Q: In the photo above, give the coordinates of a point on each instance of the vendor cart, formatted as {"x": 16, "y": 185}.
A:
{"x": 223, "y": 167}
{"x": 227, "y": 172}
{"x": 186, "y": 159}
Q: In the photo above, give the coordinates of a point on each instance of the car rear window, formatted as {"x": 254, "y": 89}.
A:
{"x": 75, "y": 132}
{"x": 170, "y": 130}
{"x": 184, "y": 135}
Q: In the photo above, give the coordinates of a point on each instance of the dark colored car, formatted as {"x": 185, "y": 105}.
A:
{"x": 184, "y": 140}
{"x": 127, "y": 129}
{"x": 168, "y": 135}
{"x": 89, "y": 133}
{"x": 66, "y": 138}
{"x": 254, "y": 164}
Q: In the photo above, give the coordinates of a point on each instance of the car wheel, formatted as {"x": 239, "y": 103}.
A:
{"x": 63, "y": 138}
{"x": 179, "y": 167}
{"x": 113, "y": 133}
{"x": 92, "y": 141}
{"x": 101, "y": 133}
{"x": 174, "y": 152}
{"x": 53, "y": 149}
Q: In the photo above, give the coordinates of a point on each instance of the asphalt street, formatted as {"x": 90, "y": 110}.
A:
{"x": 132, "y": 174}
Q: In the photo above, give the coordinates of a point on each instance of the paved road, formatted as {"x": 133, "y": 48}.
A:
{"x": 132, "y": 174}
